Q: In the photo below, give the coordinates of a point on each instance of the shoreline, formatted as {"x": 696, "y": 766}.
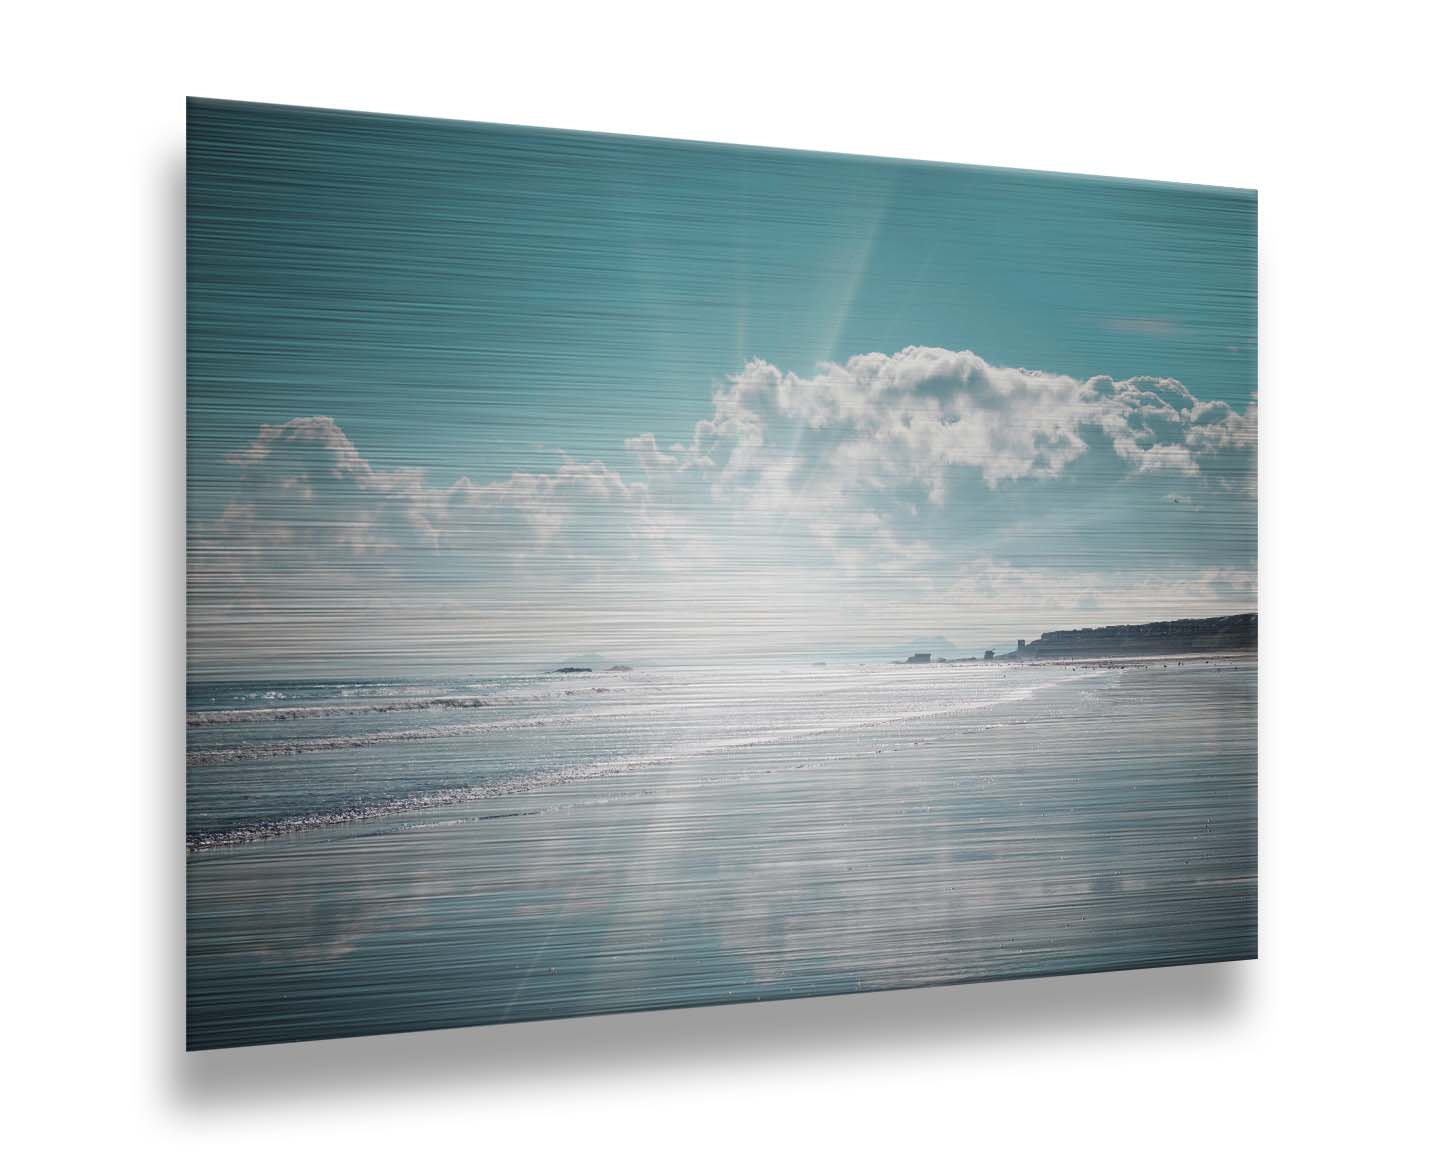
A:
{"x": 521, "y": 783}
{"x": 1094, "y": 816}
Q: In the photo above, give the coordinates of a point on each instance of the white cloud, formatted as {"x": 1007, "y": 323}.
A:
{"x": 308, "y": 510}
{"x": 859, "y": 449}
{"x": 912, "y": 417}
{"x": 800, "y": 506}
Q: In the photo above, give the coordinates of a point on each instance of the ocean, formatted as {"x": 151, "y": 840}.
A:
{"x": 377, "y": 856}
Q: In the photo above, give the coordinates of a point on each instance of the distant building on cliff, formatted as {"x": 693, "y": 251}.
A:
{"x": 919, "y": 658}
{"x": 989, "y": 653}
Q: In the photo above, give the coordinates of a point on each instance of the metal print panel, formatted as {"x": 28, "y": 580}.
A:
{"x": 626, "y": 574}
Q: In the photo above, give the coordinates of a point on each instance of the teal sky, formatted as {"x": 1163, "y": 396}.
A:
{"x": 473, "y": 301}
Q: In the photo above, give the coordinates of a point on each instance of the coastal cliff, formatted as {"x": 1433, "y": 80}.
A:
{"x": 1161, "y": 638}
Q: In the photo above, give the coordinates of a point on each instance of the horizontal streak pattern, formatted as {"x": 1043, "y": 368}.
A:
{"x": 793, "y": 839}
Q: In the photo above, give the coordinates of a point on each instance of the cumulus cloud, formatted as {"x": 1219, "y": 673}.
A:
{"x": 303, "y": 485}
{"x": 915, "y": 416}
{"x": 648, "y": 453}
{"x": 308, "y": 507}
{"x": 890, "y": 485}
{"x": 861, "y": 450}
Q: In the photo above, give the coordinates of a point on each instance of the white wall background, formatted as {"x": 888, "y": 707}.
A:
{"x": 1328, "y": 1040}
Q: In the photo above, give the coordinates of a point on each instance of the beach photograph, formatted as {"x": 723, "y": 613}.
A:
{"x": 629, "y": 574}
